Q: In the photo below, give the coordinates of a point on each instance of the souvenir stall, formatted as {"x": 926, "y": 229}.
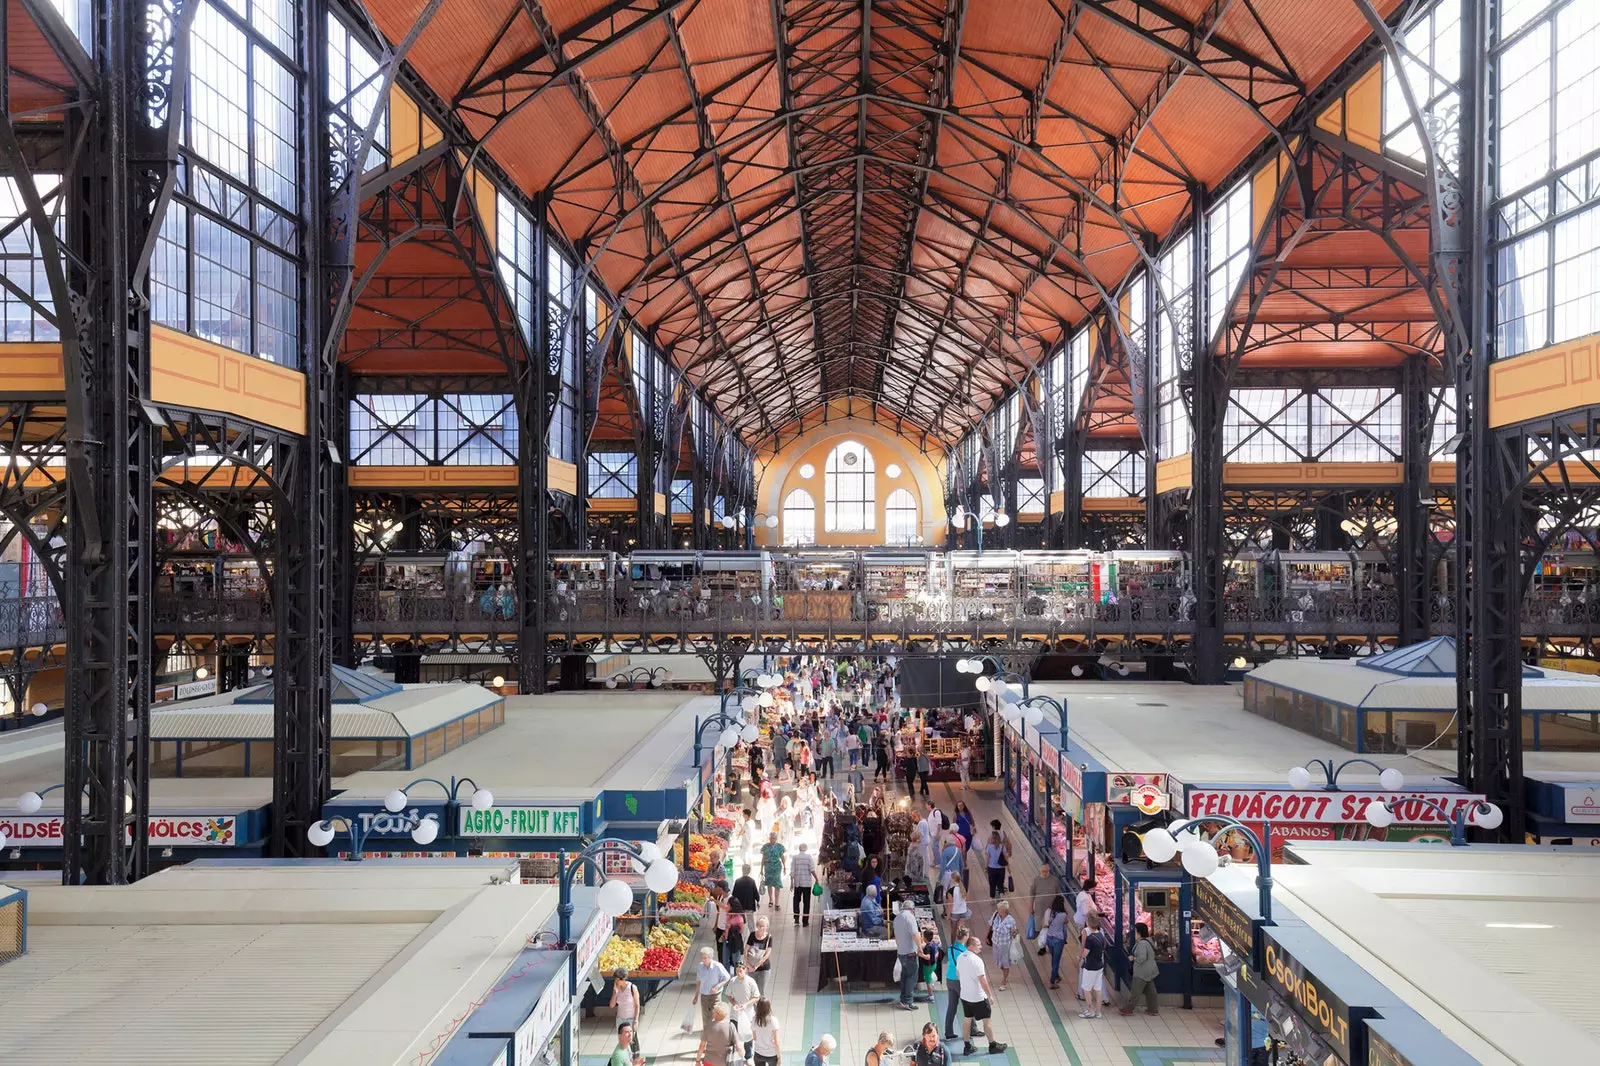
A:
{"x": 817, "y": 585}
{"x": 897, "y": 586}
{"x": 849, "y": 956}
{"x": 1057, "y": 795}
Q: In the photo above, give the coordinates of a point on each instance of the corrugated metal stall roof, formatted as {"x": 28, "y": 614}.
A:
{"x": 1348, "y": 682}
{"x": 408, "y": 712}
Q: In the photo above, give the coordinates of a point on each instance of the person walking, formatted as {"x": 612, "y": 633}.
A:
{"x": 880, "y": 751}
{"x": 964, "y": 765}
{"x": 709, "y": 978}
{"x": 994, "y": 854}
{"x": 721, "y": 1038}
{"x": 745, "y": 891}
{"x": 924, "y": 768}
{"x": 825, "y": 750}
{"x": 626, "y": 1053}
{"x": 952, "y": 979}
{"x": 764, "y": 1045}
{"x": 1042, "y": 892}
{"x": 907, "y": 946}
{"x": 742, "y": 994}
{"x": 976, "y": 999}
{"x": 803, "y": 876}
{"x": 1003, "y": 938}
{"x": 625, "y": 1001}
{"x": 772, "y": 869}
{"x": 878, "y": 1050}
{"x": 930, "y": 1050}
{"x": 1092, "y": 969}
{"x": 1055, "y": 937}
{"x": 818, "y": 1056}
{"x": 1146, "y": 968}
{"x": 758, "y": 953}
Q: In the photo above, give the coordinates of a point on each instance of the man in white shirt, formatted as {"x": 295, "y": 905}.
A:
{"x": 975, "y": 996}
{"x": 802, "y": 875}
{"x": 710, "y": 977}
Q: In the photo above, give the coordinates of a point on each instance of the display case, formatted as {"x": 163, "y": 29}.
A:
{"x": 580, "y": 586}
{"x": 1143, "y": 574}
{"x": 983, "y": 586}
{"x": 818, "y": 585}
{"x": 896, "y": 585}
{"x": 1056, "y": 584}
{"x": 1316, "y": 572}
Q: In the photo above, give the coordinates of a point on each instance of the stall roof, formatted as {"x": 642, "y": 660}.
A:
{"x": 1498, "y": 946}
{"x": 399, "y": 712}
{"x": 1410, "y": 682}
{"x": 1200, "y": 734}
{"x": 347, "y": 963}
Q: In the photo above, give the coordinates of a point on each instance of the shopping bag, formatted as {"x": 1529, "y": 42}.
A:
{"x": 1033, "y": 927}
{"x": 1018, "y": 953}
{"x": 897, "y": 969}
{"x": 687, "y": 1025}
{"x": 816, "y": 889}
{"x": 1041, "y": 944}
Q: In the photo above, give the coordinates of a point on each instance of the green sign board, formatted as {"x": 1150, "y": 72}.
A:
{"x": 521, "y": 822}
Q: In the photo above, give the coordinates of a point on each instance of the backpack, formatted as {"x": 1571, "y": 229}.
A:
{"x": 854, "y": 855}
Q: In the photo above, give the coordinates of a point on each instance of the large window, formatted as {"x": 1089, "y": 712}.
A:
{"x": 563, "y": 308}
{"x": 354, "y": 84}
{"x": 613, "y": 475}
{"x": 1434, "y": 39}
{"x": 1548, "y": 196}
{"x": 1030, "y": 496}
{"x": 1175, "y": 275}
{"x": 850, "y": 494}
{"x": 1265, "y": 426}
{"x": 1112, "y": 473}
{"x": 681, "y": 499}
{"x": 1228, "y": 241}
{"x": 900, "y": 519}
{"x": 23, "y": 264}
{"x": 420, "y": 429}
{"x": 1355, "y": 425}
{"x": 799, "y": 518}
{"x": 228, "y": 268}
{"x": 513, "y": 250}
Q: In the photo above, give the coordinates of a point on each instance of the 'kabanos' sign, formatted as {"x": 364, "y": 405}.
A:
{"x": 1287, "y": 805}
{"x": 521, "y": 822}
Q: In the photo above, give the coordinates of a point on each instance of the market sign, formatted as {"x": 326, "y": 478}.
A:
{"x": 521, "y": 822}
{"x": 1581, "y": 803}
{"x": 1231, "y": 924}
{"x": 1321, "y": 806}
{"x": 590, "y": 944}
{"x": 1148, "y": 798}
{"x": 182, "y": 831}
{"x": 1314, "y": 1001}
{"x": 1121, "y": 789}
{"x": 534, "y": 1033}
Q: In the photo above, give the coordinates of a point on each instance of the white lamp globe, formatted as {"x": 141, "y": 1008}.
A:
{"x": 1299, "y": 778}
{"x": 983, "y": 684}
{"x": 1378, "y": 816}
{"x": 611, "y": 682}
{"x": 1392, "y": 779}
{"x": 1487, "y": 819}
{"x": 998, "y": 687}
{"x": 1002, "y": 520}
{"x": 1200, "y": 859}
{"x": 1009, "y": 713}
{"x": 661, "y": 876}
{"x": 40, "y": 710}
{"x": 961, "y": 666}
{"x": 727, "y": 738}
{"x": 616, "y": 898}
{"x": 750, "y": 703}
{"x": 648, "y": 852}
{"x": 497, "y": 681}
{"x": 30, "y": 802}
{"x": 750, "y": 734}
{"x": 482, "y": 799}
{"x": 727, "y": 521}
{"x": 1159, "y": 845}
{"x": 395, "y": 802}
{"x": 320, "y": 834}
{"x": 426, "y": 831}
{"x": 772, "y": 521}
{"x": 766, "y": 700}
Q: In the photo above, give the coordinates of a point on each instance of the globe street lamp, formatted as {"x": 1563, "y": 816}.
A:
{"x": 1200, "y": 857}
{"x": 1389, "y": 778}
{"x": 1481, "y": 813}
{"x": 424, "y": 831}
{"x": 964, "y": 518}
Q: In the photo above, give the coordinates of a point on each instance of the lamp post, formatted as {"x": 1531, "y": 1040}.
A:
{"x": 1200, "y": 858}
{"x": 964, "y": 518}
{"x": 974, "y": 665}
{"x": 482, "y": 799}
{"x": 614, "y": 899}
{"x": 1300, "y": 776}
{"x": 749, "y": 524}
{"x": 640, "y": 676}
{"x": 424, "y": 830}
{"x": 1482, "y": 813}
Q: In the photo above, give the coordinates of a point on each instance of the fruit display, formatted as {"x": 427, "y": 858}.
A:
{"x": 663, "y": 937}
{"x": 621, "y": 954}
{"x": 661, "y": 960}
{"x": 683, "y": 929}
{"x": 688, "y": 913}
{"x": 690, "y": 893}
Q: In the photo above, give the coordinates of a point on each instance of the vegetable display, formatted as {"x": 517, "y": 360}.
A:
{"x": 620, "y": 953}
{"x": 661, "y": 960}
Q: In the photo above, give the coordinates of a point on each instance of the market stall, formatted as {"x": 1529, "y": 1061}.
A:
{"x": 848, "y": 957}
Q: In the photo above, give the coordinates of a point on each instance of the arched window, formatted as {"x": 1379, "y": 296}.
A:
{"x": 850, "y": 494}
{"x": 900, "y": 518}
{"x": 799, "y": 518}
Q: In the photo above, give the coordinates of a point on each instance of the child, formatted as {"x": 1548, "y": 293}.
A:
{"x": 930, "y": 957}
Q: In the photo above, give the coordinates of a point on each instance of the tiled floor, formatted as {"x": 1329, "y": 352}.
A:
{"x": 1042, "y": 1027}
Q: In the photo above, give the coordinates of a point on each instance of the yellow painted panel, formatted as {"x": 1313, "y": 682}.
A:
{"x": 1312, "y": 474}
{"x": 614, "y": 505}
{"x": 1264, "y": 190}
{"x": 1440, "y": 473}
{"x": 483, "y": 199}
{"x": 186, "y": 371}
{"x": 661, "y": 503}
{"x": 1058, "y": 501}
{"x": 431, "y": 133}
{"x": 1363, "y": 110}
{"x": 1545, "y": 382}
{"x": 1113, "y": 503}
{"x": 561, "y": 476}
{"x": 1174, "y": 473}
{"x": 405, "y": 126}
{"x": 32, "y": 368}
{"x": 434, "y": 477}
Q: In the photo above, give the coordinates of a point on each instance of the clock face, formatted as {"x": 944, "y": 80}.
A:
{"x": 850, "y": 459}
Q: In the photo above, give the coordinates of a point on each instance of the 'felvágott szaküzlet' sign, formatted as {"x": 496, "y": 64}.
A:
{"x": 521, "y": 822}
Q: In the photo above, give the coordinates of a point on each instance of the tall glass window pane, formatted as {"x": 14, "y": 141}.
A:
{"x": 1175, "y": 277}
{"x": 1228, "y": 241}
{"x": 850, "y": 498}
{"x": 22, "y": 263}
{"x": 900, "y": 519}
{"x": 799, "y": 519}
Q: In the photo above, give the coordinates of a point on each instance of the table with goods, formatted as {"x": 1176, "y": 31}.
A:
{"x": 849, "y": 957}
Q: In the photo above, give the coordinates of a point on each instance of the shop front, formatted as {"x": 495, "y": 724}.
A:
{"x": 514, "y": 828}
{"x": 1322, "y": 814}
{"x": 1563, "y": 811}
{"x": 1056, "y": 794}
{"x": 522, "y": 1021}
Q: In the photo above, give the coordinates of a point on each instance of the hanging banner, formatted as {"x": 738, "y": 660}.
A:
{"x": 1316, "y": 805}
